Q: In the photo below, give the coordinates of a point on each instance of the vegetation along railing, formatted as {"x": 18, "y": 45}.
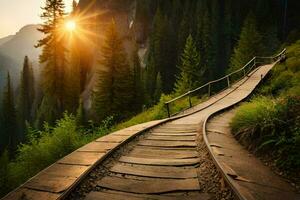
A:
{"x": 223, "y": 83}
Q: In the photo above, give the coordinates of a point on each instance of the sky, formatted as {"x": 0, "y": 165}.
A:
{"x": 14, "y": 14}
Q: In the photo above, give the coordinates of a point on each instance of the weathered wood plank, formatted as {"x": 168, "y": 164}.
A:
{"x": 158, "y": 153}
{"x": 115, "y": 195}
{"x": 112, "y": 138}
{"x": 27, "y": 194}
{"x": 159, "y": 130}
{"x": 110, "y": 196}
{"x": 164, "y": 162}
{"x": 155, "y": 143}
{"x": 174, "y": 134}
{"x": 50, "y": 183}
{"x": 123, "y": 132}
{"x": 167, "y": 148}
{"x": 156, "y": 172}
{"x": 148, "y": 186}
{"x": 65, "y": 170}
{"x": 81, "y": 158}
{"x": 171, "y": 138}
{"x": 98, "y": 147}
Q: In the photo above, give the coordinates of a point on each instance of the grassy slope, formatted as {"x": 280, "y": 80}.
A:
{"x": 270, "y": 123}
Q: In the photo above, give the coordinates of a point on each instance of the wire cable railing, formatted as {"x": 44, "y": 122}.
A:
{"x": 225, "y": 82}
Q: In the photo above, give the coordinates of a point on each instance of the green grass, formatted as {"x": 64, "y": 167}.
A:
{"x": 270, "y": 122}
{"x": 41, "y": 150}
{"x": 159, "y": 111}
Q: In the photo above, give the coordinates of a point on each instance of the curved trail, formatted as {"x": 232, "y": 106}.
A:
{"x": 165, "y": 159}
{"x": 165, "y": 163}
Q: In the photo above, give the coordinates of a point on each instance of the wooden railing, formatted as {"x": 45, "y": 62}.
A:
{"x": 225, "y": 82}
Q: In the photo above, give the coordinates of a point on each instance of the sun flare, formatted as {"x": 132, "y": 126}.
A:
{"x": 70, "y": 25}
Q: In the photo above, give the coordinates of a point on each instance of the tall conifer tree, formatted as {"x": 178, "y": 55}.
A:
{"x": 249, "y": 45}
{"x": 191, "y": 74}
{"x": 27, "y": 94}
{"x": 138, "y": 89}
{"x": 53, "y": 60}
{"x": 9, "y": 117}
{"x": 114, "y": 90}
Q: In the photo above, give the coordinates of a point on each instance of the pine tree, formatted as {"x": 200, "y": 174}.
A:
{"x": 207, "y": 43}
{"x": 191, "y": 74}
{"x": 184, "y": 28}
{"x": 113, "y": 92}
{"x": 26, "y": 97}
{"x": 138, "y": 90}
{"x": 9, "y": 117}
{"x": 158, "y": 88}
{"x": 81, "y": 119}
{"x": 249, "y": 44}
{"x": 155, "y": 60}
{"x": 53, "y": 60}
{"x": 267, "y": 26}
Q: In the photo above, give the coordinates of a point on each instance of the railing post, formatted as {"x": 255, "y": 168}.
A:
{"x": 168, "y": 109}
{"x": 209, "y": 89}
{"x": 244, "y": 72}
{"x": 190, "y": 101}
{"x": 228, "y": 81}
{"x": 254, "y": 62}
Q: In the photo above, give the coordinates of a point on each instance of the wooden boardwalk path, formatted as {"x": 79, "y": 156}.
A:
{"x": 163, "y": 163}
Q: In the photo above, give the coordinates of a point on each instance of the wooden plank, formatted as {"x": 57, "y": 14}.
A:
{"x": 112, "y": 138}
{"x": 156, "y": 172}
{"x": 98, "y": 147}
{"x": 155, "y": 143}
{"x": 110, "y": 196}
{"x": 81, "y": 158}
{"x": 171, "y": 125}
{"x": 27, "y": 194}
{"x": 153, "y": 153}
{"x": 50, "y": 183}
{"x": 163, "y": 162}
{"x": 172, "y": 131}
{"x": 116, "y": 195}
{"x": 123, "y": 132}
{"x": 174, "y": 134}
{"x": 171, "y": 138}
{"x": 148, "y": 186}
{"x": 167, "y": 148}
{"x": 65, "y": 170}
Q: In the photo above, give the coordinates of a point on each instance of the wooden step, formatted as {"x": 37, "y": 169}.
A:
{"x": 158, "y": 153}
{"x": 163, "y": 162}
{"x": 156, "y": 172}
{"x": 154, "y": 143}
{"x": 171, "y": 138}
{"x": 116, "y": 195}
{"x": 148, "y": 186}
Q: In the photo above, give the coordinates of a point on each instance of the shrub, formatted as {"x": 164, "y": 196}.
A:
{"x": 271, "y": 126}
{"x": 4, "y": 161}
{"x": 41, "y": 150}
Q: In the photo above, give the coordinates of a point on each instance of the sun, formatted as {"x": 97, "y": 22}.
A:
{"x": 70, "y": 25}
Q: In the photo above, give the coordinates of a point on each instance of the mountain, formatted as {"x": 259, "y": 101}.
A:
{"x": 18, "y": 46}
{"x": 14, "y": 48}
{"x": 5, "y": 39}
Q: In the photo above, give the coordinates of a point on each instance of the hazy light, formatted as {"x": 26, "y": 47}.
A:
{"x": 71, "y": 25}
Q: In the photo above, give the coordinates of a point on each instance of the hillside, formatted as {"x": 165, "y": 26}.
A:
{"x": 5, "y": 39}
{"x": 14, "y": 48}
